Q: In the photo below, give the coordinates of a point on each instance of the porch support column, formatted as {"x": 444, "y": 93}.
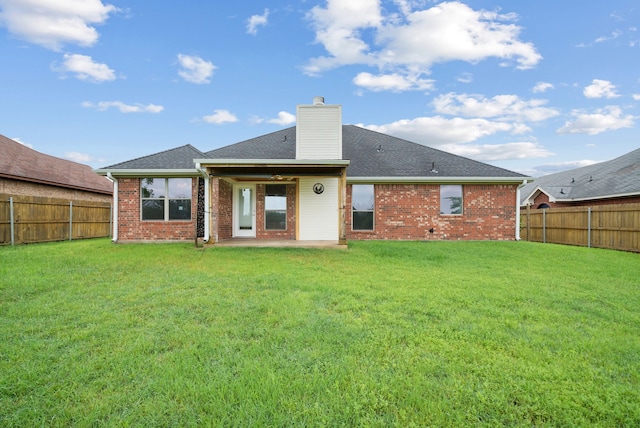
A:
{"x": 342, "y": 204}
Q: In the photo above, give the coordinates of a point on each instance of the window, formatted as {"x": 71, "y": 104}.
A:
{"x": 166, "y": 198}
{"x": 451, "y": 199}
{"x": 275, "y": 207}
{"x": 362, "y": 203}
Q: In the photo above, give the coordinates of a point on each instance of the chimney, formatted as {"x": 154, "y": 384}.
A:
{"x": 319, "y": 130}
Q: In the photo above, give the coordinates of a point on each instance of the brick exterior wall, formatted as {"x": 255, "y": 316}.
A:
{"x": 290, "y": 233}
{"x": 402, "y": 212}
{"x": 13, "y": 187}
{"x": 409, "y": 211}
{"x": 132, "y": 228}
{"x": 222, "y": 212}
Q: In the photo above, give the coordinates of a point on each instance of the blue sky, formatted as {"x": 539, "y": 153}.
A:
{"x": 531, "y": 86}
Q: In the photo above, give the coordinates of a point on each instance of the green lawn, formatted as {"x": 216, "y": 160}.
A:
{"x": 383, "y": 334}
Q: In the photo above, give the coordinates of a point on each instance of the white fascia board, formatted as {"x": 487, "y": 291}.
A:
{"x": 595, "y": 198}
{"x": 149, "y": 172}
{"x": 455, "y": 180}
{"x": 296, "y": 162}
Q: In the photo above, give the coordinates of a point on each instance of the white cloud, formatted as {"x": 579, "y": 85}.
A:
{"x": 542, "y": 87}
{"x": 219, "y": 117}
{"x": 410, "y": 42}
{"x": 17, "y": 140}
{"x": 338, "y": 29}
{"x": 392, "y": 82}
{"x": 600, "y": 89}
{"x": 85, "y": 68}
{"x": 614, "y": 35}
{"x": 124, "y": 108}
{"x": 256, "y": 21}
{"x": 195, "y": 69}
{"x": 500, "y": 152}
{"x": 552, "y": 168}
{"x": 465, "y": 78}
{"x": 54, "y": 23}
{"x": 636, "y": 97}
{"x": 440, "y": 131}
{"x": 457, "y": 136}
{"x": 284, "y": 118}
{"x": 502, "y": 107}
{"x": 81, "y": 157}
{"x": 606, "y": 119}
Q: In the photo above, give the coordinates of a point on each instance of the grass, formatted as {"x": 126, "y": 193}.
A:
{"x": 384, "y": 334}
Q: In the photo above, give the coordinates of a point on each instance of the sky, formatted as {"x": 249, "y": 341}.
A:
{"x": 535, "y": 87}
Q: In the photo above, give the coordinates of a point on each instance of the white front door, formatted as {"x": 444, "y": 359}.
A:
{"x": 244, "y": 211}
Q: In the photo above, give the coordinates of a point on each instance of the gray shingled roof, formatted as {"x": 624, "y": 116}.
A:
{"x": 619, "y": 176}
{"x": 371, "y": 154}
{"x": 178, "y": 158}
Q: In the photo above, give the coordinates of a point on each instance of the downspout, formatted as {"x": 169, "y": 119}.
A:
{"x": 207, "y": 209}
{"x": 520, "y": 186}
{"x": 115, "y": 206}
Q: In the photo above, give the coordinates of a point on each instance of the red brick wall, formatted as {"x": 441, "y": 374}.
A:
{"x": 290, "y": 233}
{"x": 402, "y": 212}
{"x": 222, "y": 212}
{"x": 408, "y": 211}
{"x": 132, "y": 228}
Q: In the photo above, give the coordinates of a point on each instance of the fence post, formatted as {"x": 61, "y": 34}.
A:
{"x": 13, "y": 241}
{"x": 528, "y": 220}
{"x": 544, "y": 226}
{"x": 589, "y": 227}
{"x": 70, "y": 220}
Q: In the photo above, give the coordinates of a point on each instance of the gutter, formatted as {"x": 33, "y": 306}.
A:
{"x": 138, "y": 173}
{"x": 114, "y": 238}
{"x": 436, "y": 179}
{"x": 207, "y": 202}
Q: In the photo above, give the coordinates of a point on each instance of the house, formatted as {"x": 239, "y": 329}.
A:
{"x": 26, "y": 172}
{"x": 616, "y": 181}
{"x": 317, "y": 181}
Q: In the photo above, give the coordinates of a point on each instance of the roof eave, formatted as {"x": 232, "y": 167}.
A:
{"x": 57, "y": 184}
{"x": 440, "y": 179}
{"x": 595, "y": 198}
{"x": 148, "y": 172}
{"x": 266, "y": 162}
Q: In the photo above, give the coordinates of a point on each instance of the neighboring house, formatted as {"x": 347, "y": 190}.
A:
{"x": 612, "y": 182}
{"x": 26, "y": 172}
{"x": 317, "y": 181}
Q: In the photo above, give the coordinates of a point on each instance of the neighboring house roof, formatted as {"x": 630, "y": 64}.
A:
{"x": 619, "y": 177}
{"x": 371, "y": 155}
{"x": 19, "y": 162}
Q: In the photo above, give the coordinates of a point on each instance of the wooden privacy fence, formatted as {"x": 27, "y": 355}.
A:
{"x": 26, "y": 219}
{"x": 601, "y": 226}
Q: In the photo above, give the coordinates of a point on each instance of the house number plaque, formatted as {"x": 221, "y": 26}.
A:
{"x": 318, "y": 188}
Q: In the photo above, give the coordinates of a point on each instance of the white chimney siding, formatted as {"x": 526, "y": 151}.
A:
{"x": 319, "y": 131}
